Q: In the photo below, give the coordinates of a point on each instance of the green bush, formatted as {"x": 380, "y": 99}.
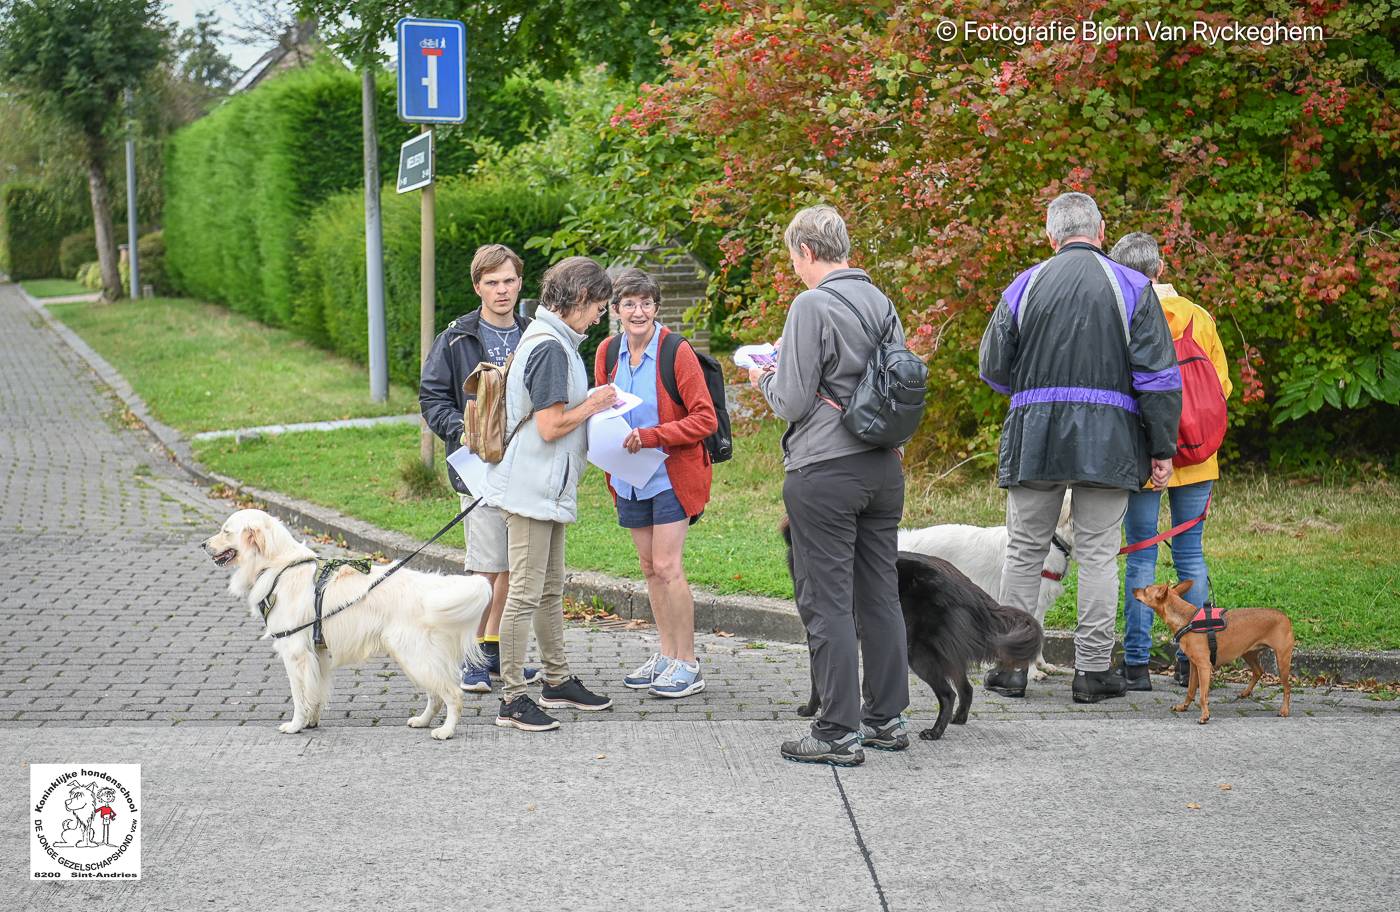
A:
{"x": 89, "y": 275}
{"x": 76, "y": 250}
{"x": 32, "y": 227}
{"x": 330, "y": 306}
{"x": 150, "y": 249}
{"x": 241, "y": 182}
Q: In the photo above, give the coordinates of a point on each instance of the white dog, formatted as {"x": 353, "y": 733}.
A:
{"x": 424, "y": 621}
{"x": 980, "y": 553}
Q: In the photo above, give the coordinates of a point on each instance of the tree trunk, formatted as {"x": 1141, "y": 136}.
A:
{"x": 102, "y": 218}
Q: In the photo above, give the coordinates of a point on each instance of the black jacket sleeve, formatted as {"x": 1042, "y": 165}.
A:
{"x": 1156, "y": 377}
{"x": 998, "y": 351}
{"x": 439, "y": 397}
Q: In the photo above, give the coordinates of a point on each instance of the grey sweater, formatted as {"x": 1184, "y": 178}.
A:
{"x": 823, "y": 341}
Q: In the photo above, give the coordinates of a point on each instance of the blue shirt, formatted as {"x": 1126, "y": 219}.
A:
{"x": 641, "y": 382}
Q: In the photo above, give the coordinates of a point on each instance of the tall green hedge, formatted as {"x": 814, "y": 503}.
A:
{"x": 331, "y": 306}
{"x": 32, "y": 226}
{"x": 242, "y": 181}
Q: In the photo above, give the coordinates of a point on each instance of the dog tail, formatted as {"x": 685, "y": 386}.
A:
{"x": 456, "y": 604}
{"x": 1018, "y": 637}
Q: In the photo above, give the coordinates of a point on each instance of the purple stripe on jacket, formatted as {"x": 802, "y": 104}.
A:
{"x": 1157, "y": 381}
{"x": 1016, "y": 291}
{"x": 1085, "y": 394}
{"x": 1132, "y": 283}
{"x": 1004, "y": 390}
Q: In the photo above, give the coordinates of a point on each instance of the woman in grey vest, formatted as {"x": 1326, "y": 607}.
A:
{"x": 535, "y": 485}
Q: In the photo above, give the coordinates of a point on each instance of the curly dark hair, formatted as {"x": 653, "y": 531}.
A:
{"x": 574, "y": 283}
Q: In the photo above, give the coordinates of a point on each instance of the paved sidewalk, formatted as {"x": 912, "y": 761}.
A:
{"x": 118, "y": 643}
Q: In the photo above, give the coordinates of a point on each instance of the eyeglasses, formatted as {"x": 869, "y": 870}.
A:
{"x": 636, "y": 306}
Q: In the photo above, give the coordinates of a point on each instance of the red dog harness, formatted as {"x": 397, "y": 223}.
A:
{"x": 1207, "y": 620}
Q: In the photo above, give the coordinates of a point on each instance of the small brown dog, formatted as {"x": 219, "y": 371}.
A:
{"x": 1248, "y": 630}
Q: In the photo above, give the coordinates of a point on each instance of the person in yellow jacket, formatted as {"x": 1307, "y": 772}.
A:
{"x": 1187, "y": 492}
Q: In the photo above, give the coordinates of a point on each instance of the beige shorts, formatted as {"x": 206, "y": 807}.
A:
{"x": 486, "y": 538}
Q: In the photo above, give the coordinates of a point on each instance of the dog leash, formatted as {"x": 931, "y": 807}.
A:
{"x": 1173, "y": 532}
{"x": 316, "y": 621}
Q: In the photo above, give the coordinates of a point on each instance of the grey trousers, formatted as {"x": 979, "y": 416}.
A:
{"x": 845, "y": 516}
{"x": 1032, "y": 509}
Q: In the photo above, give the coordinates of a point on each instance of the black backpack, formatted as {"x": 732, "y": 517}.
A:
{"x": 720, "y": 444}
{"x": 888, "y": 403}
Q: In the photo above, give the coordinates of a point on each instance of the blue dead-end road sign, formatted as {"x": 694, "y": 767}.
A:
{"x": 432, "y": 71}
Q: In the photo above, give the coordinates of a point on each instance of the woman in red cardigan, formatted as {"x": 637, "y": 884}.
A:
{"x": 659, "y": 512}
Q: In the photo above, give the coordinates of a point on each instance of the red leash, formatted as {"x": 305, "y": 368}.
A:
{"x": 1173, "y": 532}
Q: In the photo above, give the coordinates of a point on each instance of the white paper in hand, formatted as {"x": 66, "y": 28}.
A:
{"x": 605, "y": 450}
{"x": 625, "y": 403}
{"x": 471, "y": 467}
{"x": 750, "y": 357}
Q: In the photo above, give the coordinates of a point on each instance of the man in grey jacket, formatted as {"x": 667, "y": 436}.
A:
{"x": 1082, "y": 347}
{"x": 844, "y": 499}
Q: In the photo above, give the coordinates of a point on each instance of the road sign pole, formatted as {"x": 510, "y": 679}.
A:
{"x": 131, "y": 229}
{"x": 374, "y": 244}
{"x": 427, "y": 292}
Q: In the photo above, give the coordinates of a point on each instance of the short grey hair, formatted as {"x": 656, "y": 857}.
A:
{"x": 823, "y": 230}
{"x": 1138, "y": 251}
{"x": 1072, "y": 215}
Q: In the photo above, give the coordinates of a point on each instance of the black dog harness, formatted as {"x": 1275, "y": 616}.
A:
{"x": 1207, "y": 620}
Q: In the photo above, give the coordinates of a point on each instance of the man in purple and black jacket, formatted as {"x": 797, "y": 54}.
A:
{"x": 1081, "y": 346}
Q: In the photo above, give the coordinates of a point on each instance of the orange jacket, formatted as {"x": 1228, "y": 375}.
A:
{"x": 681, "y": 432}
{"x": 1180, "y": 311}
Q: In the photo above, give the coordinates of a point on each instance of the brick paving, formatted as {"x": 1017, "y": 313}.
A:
{"x": 113, "y": 616}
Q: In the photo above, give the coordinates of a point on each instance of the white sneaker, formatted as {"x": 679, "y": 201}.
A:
{"x": 647, "y": 672}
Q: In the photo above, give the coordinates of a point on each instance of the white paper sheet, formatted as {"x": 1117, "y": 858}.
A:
{"x": 626, "y": 402}
{"x": 605, "y": 450}
{"x": 471, "y": 467}
{"x": 749, "y": 357}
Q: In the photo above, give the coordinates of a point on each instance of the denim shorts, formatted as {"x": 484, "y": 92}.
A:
{"x": 653, "y": 511}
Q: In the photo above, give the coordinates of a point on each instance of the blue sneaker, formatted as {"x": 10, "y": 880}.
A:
{"x": 475, "y": 680}
{"x": 493, "y": 668}
{"x": 647, "y": 672}
{"x": 680, "y": 679}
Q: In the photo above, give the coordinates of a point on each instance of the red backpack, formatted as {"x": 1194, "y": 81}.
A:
{"x": 1202, "y": 403}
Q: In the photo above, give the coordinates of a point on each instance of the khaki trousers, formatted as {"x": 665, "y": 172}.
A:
{"x": 536, "y": 596}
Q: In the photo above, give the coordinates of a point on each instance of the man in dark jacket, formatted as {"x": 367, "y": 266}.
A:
{"x": 1083, "y": 349}
{"x": 489, "y": 333}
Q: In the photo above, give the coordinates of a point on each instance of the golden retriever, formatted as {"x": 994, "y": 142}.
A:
{"x": 423, "y": 621}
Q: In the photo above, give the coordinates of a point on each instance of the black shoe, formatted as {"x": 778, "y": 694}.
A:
{"x": 1182, "y": 675}
{"x": 1093, "y": 686}
{"x": 1137, "y": 676}
{"x": 522, "y": 713}
{"x": 571, "y": 694}
{"x": 1009, "y": 682}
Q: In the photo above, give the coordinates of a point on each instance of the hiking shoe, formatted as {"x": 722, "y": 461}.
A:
{"x": 888, "y": 737}
{"x": 811, "y": 749}
{"x": 522, "y": 713}
{"x": 1137, "y": 676}
{"x": 475, "y": 680}
{"x": 1182, "y": 675}
{"x": 681, "y": 679}
{"x": 571, "y": 694}
{"x": 647, "y": 673}
{"x": 1093, "y": 686}
{"x": 1009, "y": 682}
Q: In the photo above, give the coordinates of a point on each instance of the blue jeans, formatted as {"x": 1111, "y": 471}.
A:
{"x": 1144, "y": 507}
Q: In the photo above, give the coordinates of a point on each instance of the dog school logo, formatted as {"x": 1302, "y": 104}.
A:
{"x": 86, "y": 821}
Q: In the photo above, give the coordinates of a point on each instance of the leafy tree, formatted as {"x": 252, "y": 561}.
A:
{"x": 72, "y": 60}
{"x": 202, "y": 68}
{"x": 1268, "y": 171}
